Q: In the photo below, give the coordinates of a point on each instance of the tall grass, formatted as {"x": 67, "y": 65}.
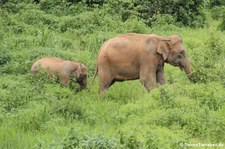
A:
{"x": 41, "y": 113}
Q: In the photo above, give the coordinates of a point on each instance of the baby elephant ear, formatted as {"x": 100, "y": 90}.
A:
{"x": 76, "y": 70}
{"x": 163, "y": 48}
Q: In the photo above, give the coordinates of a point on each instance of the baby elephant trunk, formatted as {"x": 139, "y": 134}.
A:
{"x": 82, "y": 82}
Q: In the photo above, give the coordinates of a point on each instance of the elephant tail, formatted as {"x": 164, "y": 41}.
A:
{"x": 95, "y": 74}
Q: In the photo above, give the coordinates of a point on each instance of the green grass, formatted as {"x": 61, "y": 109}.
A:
{"x": 42, "y": 113}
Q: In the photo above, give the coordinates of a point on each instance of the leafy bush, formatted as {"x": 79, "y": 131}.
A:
{"x": 56, "y": 7}
{"x": 214, "y": 3}
{"x": 205, "y": 68}
{"x": 207, "y": 97}
{"x": 73, "y": 140}
{"x": 152, "y": 141}
{"x": 188, "y": 13}
{"x": 5, "y": 56}
{"x": 98, "y": 142}
{"x": 68, "y": 109}
{"x": 222, "y": 24}
{"x": 163, "y": 21}
{"x": 205, "y": 75}
{"x": 34, "y": 120}
{"x": 87, "y": 19}
{"x": 38, "y": 17}
{"x": 218, "y": 12}
{"x": 14, "y": 94}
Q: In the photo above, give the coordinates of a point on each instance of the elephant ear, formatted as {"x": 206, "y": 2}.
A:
{"x": 163, "y": 48}
{"x": 79, "y": 72}
{"x": 76, "y": 69}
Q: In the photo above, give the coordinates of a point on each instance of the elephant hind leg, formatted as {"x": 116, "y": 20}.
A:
{"x": 105, "y": 84}
{"x": 105, "y": 81}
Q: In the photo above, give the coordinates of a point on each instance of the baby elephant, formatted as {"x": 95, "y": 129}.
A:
{"x": 63, "y": 69}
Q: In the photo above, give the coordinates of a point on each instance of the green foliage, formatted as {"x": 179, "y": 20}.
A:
{"x": 5, "y": 56}
{"x": 71, "y": 140}
{"x": 218, "y": 12}
{"x": 163, "y": 21}
{"x": 11, "y": 101}
{"x": 214, "y": 3}
{"x": 188, "y": 13}
{"x": 98, "y": 142}
{"x": 34, "y": 120}
{"x": 74, "y": 140}
{"x": 206, "y": 64}
{"x": 41, "y": 113}
{"x": 222, "y": 24}
{"x": 68, "y": 109}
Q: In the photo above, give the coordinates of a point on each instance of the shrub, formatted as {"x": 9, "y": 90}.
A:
{"x": 216, "y": 126}
{"x": 152, "y": 141}
{"x": 38, "y": 17}
{"x": 205, "y": 63}
{"x": 19, "y": 64}
{"x": 74, "y": 140}
{"x": 218, "y": 12}
{"x": 214, "y": 3}
{"x": 5, "y": 56}
{"x": 188, "y": 13}
{"x": 193, "y": 119}
{"x": 14, "y": 94}
{"x": 34, "y": 120}
{"x": 204, "y": 75}
{"x": 68, "y": 109}
{"x": 165, "y": 98}
{"x": 56, "y": 7}
{"x": 129, "y": 140}
{"x": 210, "y": 95}
{"x": 162, "y": 21}
{"x": 98, "y": 142}
{"x": 134, "y": 25}
{"x": 222, "y": 24}
{"x": 215, "y": 46}
{"x": 71, "y": 140}
{"x": 86, "y": 21}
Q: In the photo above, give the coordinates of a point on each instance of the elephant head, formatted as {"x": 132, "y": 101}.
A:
{"x": 80, "y": 74}
{"x": 173, "y": 52}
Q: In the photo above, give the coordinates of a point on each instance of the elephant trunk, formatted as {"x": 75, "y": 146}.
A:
{"x": 187, "y": 67}
{"x": 83, "y": 84}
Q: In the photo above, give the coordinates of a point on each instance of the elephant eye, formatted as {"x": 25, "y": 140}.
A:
{"x": 182, "y": 52}
{"x": 179, "y": 56}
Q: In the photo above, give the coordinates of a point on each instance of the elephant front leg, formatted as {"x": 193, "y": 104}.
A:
{"x": 104, "y": 84}
{"x": 160, "y": 78}
{"x": 149, "y": 81}
{"x": 64, "y": 78}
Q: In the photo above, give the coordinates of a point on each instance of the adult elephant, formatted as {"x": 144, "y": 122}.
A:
{"x": 63, "y": 69}
{"x": 139, "y": 56}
